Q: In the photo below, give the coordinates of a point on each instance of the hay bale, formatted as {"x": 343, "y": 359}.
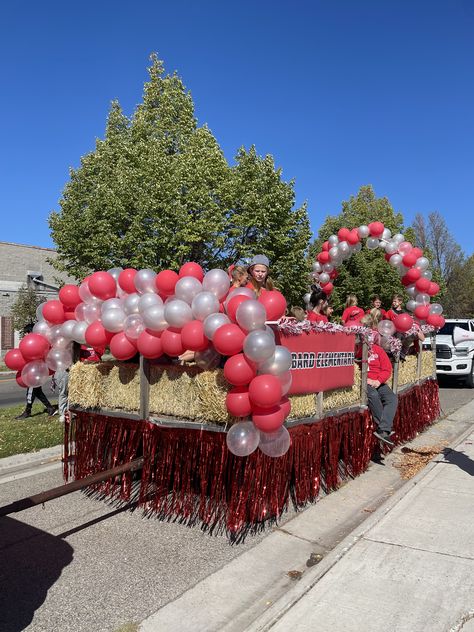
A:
{"x": 86, "y": 384}
{"x": 427, "y": 364}
{"x": 173, "y": 391}
{"x": 302, "y": 406}
{"x": 407, "y": 371}
{"x": 121, "y": 388}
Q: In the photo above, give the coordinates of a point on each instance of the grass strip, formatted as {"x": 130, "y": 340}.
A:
{"x": 18, "y": 436}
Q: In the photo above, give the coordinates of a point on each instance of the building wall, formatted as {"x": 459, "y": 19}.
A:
{"x": 18, "y": 265}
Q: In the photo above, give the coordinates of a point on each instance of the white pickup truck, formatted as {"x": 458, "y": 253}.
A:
{"x": 456, "y": 359}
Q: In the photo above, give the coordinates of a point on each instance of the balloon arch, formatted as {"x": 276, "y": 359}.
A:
{"x": 139, "y": 311}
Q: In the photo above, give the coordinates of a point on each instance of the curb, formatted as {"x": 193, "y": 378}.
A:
{"x": 44, "y": 456}
{"x": 270, "y": 617}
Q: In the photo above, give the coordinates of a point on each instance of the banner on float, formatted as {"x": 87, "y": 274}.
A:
{"x": 320, "y": 361}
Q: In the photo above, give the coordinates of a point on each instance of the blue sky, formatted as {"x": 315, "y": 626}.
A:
{"x": 341, "y": 93}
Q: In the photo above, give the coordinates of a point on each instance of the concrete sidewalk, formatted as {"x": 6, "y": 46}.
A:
{"x": 406, "y": 567}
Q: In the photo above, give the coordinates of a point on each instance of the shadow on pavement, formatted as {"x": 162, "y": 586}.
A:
{"x": 459, "y": 459}
{"x": 31, "y": 562}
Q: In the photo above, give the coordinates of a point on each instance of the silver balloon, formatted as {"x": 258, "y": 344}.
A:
{"x": 324, "y": 278}
{"x": 112, "y": 320}
{"x": 213, "y": 322}
{"x": 356, "y": 247}
{"x": 404, "y": 247}
{"x": 402, "y": 270}
{"x": 79, "y": 311}
{"x": 178, "y": 313}
{"x": 259, "y": 346}
{"x": 422, "y": 263}
{"x": 243, "y": 438}
{"x": 131, "y": 303}
{"x": 35, "y": 373}
{"x": 285, "y": 379}
{"x": 149, "y": 299}
{"x": 208, "y": 359}
{"x": 436, "y": 308}
{"x": 317, "y": 267}
{"x": 154, "y": 318}
{"x": 186, "y": 289}
{"x": 79, "y": 332}
{"x": 386, "y": 328}
{"x": 85, "y": 293}
{"x": 62, "y": 343}
{"x": 372, "y": 243}
{"x": 42, "y": 328}
{"x": 344, "y": 249}
{"x": 333, "y": 253}
{"x": 92, "y": 312}
{"x": 133, "y": 326}
{"x": 398, "y": 238}
{"x": 279, "y": 363}
{"x": 67, "y": 328}
{"x": 387, "y": 233}
{"x": 115, "y": 272}
{"x": 55, "y": 332}
{"x": 422, "y": 299}
{"x": 240, "y": 291}
{"x": 328, "y": 267}
{"x": 411, "y": 305}
{"x": 39, "y": 312}
{"x": 391, "y": 247}
{"x": 144, "y": 281}
{"x": 204, "y": 304}
{"x": 111, "y": 303}
{"x": 307, "y": 298}
{"x": 216, "y": 281}
{"x": 270, "y": 331}
{"x": 427, "y": 274}
{"x": 363, "y": 231}
{"x": 251, "y": 315}
{"x": 411, "y": 291}
{"x": 395, "y": 260}
{"x": 58, "y": 359}
{"x": 333, "y": 240}
{"x": 276, "y": 443}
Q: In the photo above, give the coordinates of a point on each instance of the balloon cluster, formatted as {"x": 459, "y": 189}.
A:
{"x": 139, "y": 311}
{"x": 408, "y": 260}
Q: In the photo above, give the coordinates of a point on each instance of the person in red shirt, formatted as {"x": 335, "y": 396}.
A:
{"x": 318, "y": 302}
{"x": 377, "y": 304}
{"x": 382, "y": 401}
{"x": 396, "y": 309}
{"x": 352, "y": 312}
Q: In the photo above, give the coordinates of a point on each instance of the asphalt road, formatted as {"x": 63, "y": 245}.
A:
{"x": 80, "y": 565}
{"x": 12, "y": 394}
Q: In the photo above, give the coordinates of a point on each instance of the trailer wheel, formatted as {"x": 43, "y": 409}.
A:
{"x": 470, "y": 377}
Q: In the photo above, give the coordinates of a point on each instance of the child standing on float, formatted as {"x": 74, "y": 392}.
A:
{"x": 352, "y": 312}
{"x": 258, "y": 270}
{"x": 318, "y": 303}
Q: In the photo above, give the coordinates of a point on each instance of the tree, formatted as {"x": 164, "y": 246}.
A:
{"x": 366, "y": 272}
{"x": 157, "y": 191}
{"x": 24, "y": 308}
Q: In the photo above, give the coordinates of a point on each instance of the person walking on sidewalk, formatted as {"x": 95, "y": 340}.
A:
{"x": 31, "y": 395}
{"x": 382, "y": 401}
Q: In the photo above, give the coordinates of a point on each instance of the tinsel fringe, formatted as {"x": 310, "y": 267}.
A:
{"x": 191, "y": 477}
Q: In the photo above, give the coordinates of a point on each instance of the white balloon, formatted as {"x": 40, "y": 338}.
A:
{"x": 213, "y": 322}
{"x": 112, "y": 320}
{"x": 395, "y": 260}
{"x": 333, "y": 253}
{"x": 363, "y": 231}
{"x": 328, "y": 267}
{"x": 279, "y": 363}
{"x": 422, "y": 263}
{"x": 307, "y": 298}
{"x": 62, "y": 343}
{"x": 133, "y": 326}
{"x": 411, "y": 305}
{"x": 85, "y": 293}
{"x": 411, "y": 291}
{"x": 436, "y": 308}
{"x": 206, "y": 303}
{"x": 259, "y": 346}
{"x": 216, "y": 281}
{"x": 67, "y": 328}
{"x": 427, "y": 274}
{"x": 276, "y": 443}
{"x": 251, "y": 315}
{"x": 387, "y": 233}
{"x": 58, "y": 359}
{"x": 178, "y": 313}
{"x": 243, "y": 438}
{"x": 333, "y": 240}
{"x": 111, "y": 303}
{"x": 391, "y": 247}
{"x": 92, "y": 312}
{"x": 144, "y": 281}
{"x": 35, "y": 373}
{"x": 286, "y": 379}
{"x": 39, "y": 312}
{"x": 42, "y": 328}
{"x": 79, "y": 332}
{"x": 187, "y": 288}
{"x": 398, "y": 238}
{"x": 422, "y": 298}
{"x": 372, "y": 243}
{"x": 317, "y": 267}
{"x": 324, "y": 278}
{"x": 154, "y": 318}
{"x": 149, "y": 299}
{"x": 79, "y": 311}
{"x": 55, "y": 333}
{"x": 115, "y": 272}
{"x": 130, "y": 303}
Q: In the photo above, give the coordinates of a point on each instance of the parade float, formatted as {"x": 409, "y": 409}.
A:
{"x": 271, "y": 410}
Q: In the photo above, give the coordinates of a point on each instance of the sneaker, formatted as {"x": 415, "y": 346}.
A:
{"x": 53, "y": 411}
{"x": 24, "y": 415}
{"x": 384, "y": 436}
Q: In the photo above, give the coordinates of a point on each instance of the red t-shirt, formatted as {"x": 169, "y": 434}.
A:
{"x": 352, "y": 313}
{"x": 391, "y": 313}
{"x": 379, "y": 366}
{"x": 316, "y": 318}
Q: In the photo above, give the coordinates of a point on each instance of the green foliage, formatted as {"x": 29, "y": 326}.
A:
{"x": 29, "y": 435}
{"x": 367, "y": 272}
{"x": 158, "y": 191}
{"x": 458, "y": 301}
{"x": 24, "y": 308}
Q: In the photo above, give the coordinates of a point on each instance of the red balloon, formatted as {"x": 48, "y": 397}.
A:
{"x": 433, "y": 289}
{"x": 33, "y": 347}
{"x": 53, "y": 312}
{"x": 157, "y": 334}
{"x": 387, "y": 256}
{"x": 413, "y": 274}
{"x": 422, "y": 311}
{"x": 171, "y": 342}
{"x": 19, "y": 380}
{"x": 238, "y": 370}
{"x": 325, "y": 246}
{"x": 343, "y": 234}
{"x": 69, "y": 296}
{"x": 286, "y": 405}
{"x": 376, "y": 229}
{"x": 422, "y": 285}
{"x": 229, "y": 339}
{"x": 274, "y": 303}
{"x": 69, "y": 316}
{"x": 435, "y": 320}
{"x": 238, "y": 402}
{"x": 409, "y": 259}
{"x": 102, "y": 285}
{"x": 323, "y": 257}
{"x": 334, "y": 274}
{"x": 327, "y": 288}
{"x": 121, "y": 347}
{"x": 192, "y": 336}
{"x": 165, "y": 282}
{"x": 97, "y": 336}
{"x": 417, "y": 251}
{"x": 353, "y": 237}
{"x": 268, "y": 419}
{"x": 192, "y": 269}
{"x": 234, "y": 303}
{"x": 14, "y": 360}
{"x": 265, "y": 391}
{"x": 149, "y": 346}
{"x": 403, "y": 322}
{"x": 126, "y": 280}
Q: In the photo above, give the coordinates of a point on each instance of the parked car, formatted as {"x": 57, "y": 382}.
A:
{"x": 455, "y": 355}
